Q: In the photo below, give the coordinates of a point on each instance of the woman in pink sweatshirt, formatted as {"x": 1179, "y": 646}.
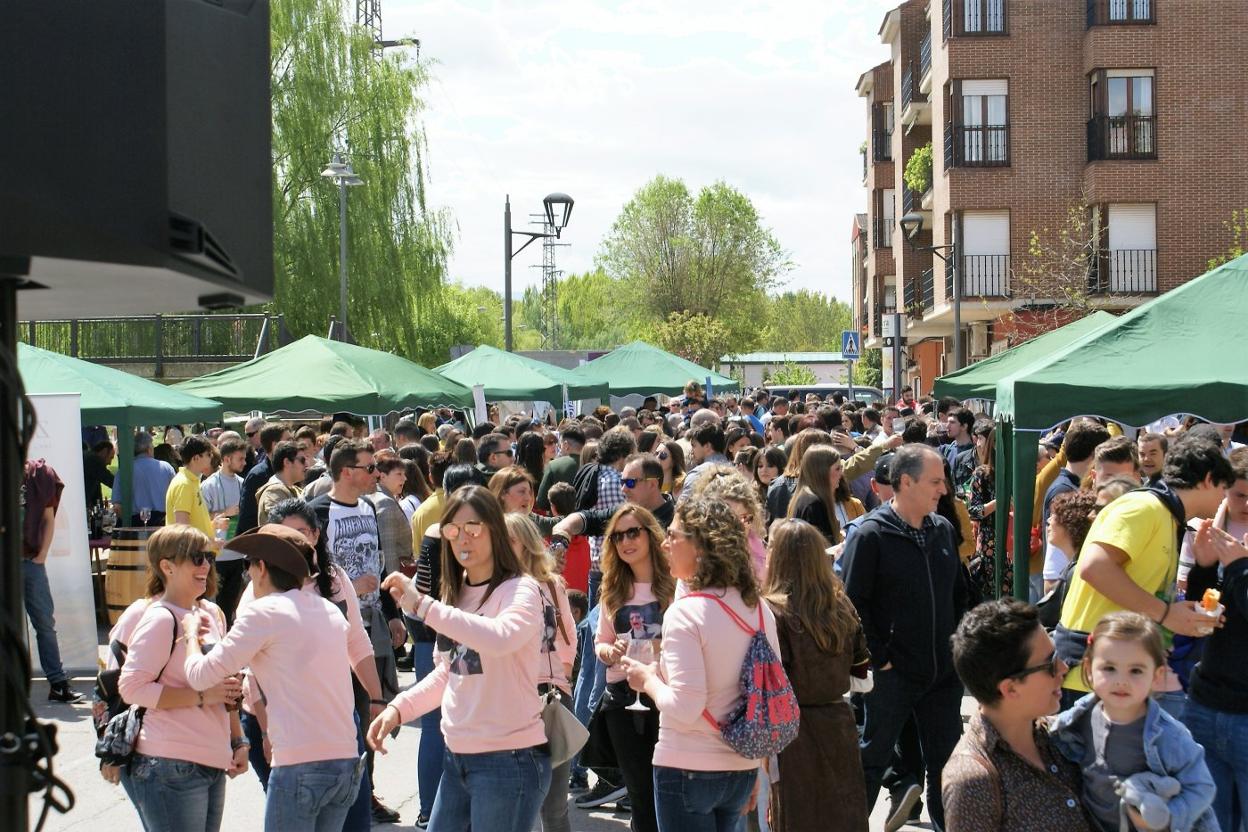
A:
{"x": 558, "y": 649}
{"x": 295, "y": 643}
{"x": 637, "y": 588}
{"x": 189, "y": 742}
{"x": 700, "y": 783}
{"x": 496, "y": 769}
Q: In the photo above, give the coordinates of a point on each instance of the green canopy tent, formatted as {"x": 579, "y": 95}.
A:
{"x": 641, "y": 368}
{"x": 511, "y": 377}
{"x": 1169, "y": 355}
{"x": 112, "y": 397}
{"x": 979, "y": 380}
{"x": 316, "y": 374}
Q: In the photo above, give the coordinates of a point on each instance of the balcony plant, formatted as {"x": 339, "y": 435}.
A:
{"x": 918, "y": 175}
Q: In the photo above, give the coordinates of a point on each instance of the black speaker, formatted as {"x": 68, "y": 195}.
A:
{"x": 135, "y": 154}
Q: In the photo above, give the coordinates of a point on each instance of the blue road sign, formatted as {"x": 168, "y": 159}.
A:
{"x": 851, "y": 344}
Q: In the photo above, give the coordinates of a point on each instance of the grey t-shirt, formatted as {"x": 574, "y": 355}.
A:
{"x": 1112, "y": 752}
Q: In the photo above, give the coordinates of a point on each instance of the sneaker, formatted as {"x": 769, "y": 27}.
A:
{"x": 383, "y": 813}
{"x": 901, "y": 802}
{"x": 602, "y": 793}
{"x": 624, "y": 805}
{"x": 422, "y": 821}
{"x": 62, "y": 692}
{"x": 578, "y": 785}
{"x": 916, "y": 814}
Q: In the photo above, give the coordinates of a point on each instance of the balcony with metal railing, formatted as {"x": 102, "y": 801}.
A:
{"x": 1122, "y": 137}
{"x": 927, "y": 282}
{"x": 1123, "y": 271}
{"x": 977, "y": 146}
{"x": 912, "y": 299}
{"x": 984, "y": 275}
{"x": 882, "y": 232}
{"x": 1120, "y": 12}
{"x": 915, "y": 108}
{"x": 925, "y": 63}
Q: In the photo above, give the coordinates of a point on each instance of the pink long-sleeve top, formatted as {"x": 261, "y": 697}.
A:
{"x": 485, "y": 678}
{"x": 359, "y": 647}
{"x": 296, "y": 645}
{"x": 638, "y": 618}
{"x": 703, "y": 650}
{"x": 197, "y": 735}
{"x": 556, "y": 651}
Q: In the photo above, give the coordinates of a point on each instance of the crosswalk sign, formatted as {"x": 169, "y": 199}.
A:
{"x": 851, "y": 344}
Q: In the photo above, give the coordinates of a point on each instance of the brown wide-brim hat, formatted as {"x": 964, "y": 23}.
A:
{"x": 276, "y": 545}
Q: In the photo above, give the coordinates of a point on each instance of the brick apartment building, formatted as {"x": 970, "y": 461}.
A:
{"x": 1119, "y": 122}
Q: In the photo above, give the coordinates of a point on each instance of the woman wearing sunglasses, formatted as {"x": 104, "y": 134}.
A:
{"x": 558, "y": 650}
{"x": 496, "y": 769}
{"x": 672, "y": 457}
{"x": 1004, "y": 773}
{"x": 637, "y": 588}
{"x": 189, "y": 742}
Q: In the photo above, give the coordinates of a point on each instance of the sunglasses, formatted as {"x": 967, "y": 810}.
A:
{"x": 632, "y": 482}
{"x": 370, "y": 467}
{"x": 199, "y": 558}
{"x": 626, "y": 534}
{"x": 1050, "y": 667}
{"x": 473, "y": 528}
{"x": 251, "y": 433}
{"x": 662, "y": 455}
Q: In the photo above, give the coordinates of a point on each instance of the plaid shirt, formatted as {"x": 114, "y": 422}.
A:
{"x": 920, "y": 534}
{"x": 610, "y": 496}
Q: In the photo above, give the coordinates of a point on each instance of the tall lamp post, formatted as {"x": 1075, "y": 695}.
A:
{"x": 341, "y": 173}
{"x": 911, "y": 227}
{"x": 556, "y": 203}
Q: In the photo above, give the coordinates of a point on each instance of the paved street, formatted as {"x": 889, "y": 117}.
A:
{"x": 101, "y": 806}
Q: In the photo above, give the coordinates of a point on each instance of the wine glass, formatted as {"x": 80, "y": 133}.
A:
{"x": 640, "y": 650}
{"x": 145, "y": 514}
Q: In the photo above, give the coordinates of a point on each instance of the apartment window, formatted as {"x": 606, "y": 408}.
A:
{"x": 884, "y": 212}
{"x": 985, "y": 255}
{"x": 1122, "y": 123}
{"x": 882, "y": 131}
{"x": 1118, "y": 12}
{"x": 974, "y": 17}
{"x": 1127, "y": 260}
{"x": 978, "y": 133}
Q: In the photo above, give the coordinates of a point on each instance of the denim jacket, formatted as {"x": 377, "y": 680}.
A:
{"x": 1170, "y": 751}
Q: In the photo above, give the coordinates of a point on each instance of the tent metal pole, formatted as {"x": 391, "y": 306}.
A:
{"x": 1001, "y": 517}
{"x": 1023, "y": 477}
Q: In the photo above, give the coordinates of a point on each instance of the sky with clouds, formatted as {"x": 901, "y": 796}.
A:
{"x": 595, "y": 98}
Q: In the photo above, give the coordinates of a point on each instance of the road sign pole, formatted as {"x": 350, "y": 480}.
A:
{"x": 896, "y": 357}
{"x": 851, "y": 380}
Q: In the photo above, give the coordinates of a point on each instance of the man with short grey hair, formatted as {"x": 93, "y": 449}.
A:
{"x": 903, "y": 574}
{"x": 151, "y": 481}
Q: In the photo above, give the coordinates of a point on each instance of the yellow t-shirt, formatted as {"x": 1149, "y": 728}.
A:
{"x": 183, "y": 495}
{"x": 1141, "y": 526}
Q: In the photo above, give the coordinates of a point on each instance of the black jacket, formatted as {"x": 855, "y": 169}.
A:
{"x": 247, "y": 506}
{"x": 596, "y": 519}
{"x": 909, "y": 599}
{"x": 1219, "y": 682}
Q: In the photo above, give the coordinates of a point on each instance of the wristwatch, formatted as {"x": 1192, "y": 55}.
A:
{"x": 238, "y": 742}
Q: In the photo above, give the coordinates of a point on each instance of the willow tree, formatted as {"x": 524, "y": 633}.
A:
{"x": 333, "y": 92}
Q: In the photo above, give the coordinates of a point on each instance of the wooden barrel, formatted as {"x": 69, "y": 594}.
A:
{"x": 125, "y": 579}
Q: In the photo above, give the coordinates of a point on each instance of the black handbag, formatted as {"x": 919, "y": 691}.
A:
{"x": 115, "y": 747}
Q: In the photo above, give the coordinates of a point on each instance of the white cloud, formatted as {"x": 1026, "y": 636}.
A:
{"x": 595, "y": 98}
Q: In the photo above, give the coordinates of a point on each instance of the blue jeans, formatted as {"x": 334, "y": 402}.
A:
{"x": 591, "y": 679}
{"x": 1172, "y": 702}
{"x": 39, "y": 607}
{"x": 255, "y": 752}
{"x": 360, "y": 815}
{"x": 312, "y": 796}
{"x": 175, "y": 795}
{"x": 937, "y": 711}
{"x": 701, "y": 801}
{"x": 432, "y": 745}
{"x": 1225, "y": 738}
{"x": 498, "y": 791}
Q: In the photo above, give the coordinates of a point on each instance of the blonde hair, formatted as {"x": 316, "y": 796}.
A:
{"x": 800, "y": 583}
{"x": 176, "y": 543}
{"x": 534, "y": 558}
{"x": 617, "y": 576}
{"x": 723, "y": 548}
{"x": 725, "y": 482}
{"x": 801, "y": 443}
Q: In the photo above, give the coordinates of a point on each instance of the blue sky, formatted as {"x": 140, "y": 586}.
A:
{"x": 595, "y": 98}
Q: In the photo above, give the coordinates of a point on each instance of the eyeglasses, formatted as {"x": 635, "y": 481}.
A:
{"x": 370, "y": 467}
{"x": 677, "y": 533}
{"x": 198, "y": 558}
{"x": 473, "y": 528}
{"x": 626, "y": 534}
{"x": 662, "y": 455}
{"x": 302, "y": 460}
{"x": 496, "y": 453}
{"x": 632, "y": 482}
{"x": 1049, "y": 667}
{"x": 251, "y": 433}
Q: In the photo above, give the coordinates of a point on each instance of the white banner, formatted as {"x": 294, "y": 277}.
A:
{"x": 58, "y": 439}
{"x": 480, "y": 410}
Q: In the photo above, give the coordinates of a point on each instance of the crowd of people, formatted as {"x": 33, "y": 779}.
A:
{"x": 627, "y": 565}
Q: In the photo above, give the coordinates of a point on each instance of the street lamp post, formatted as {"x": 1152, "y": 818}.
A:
{"x": 556, "y": 202}
{"x": 911, "y": 227}
{"x": 342, "y": 174}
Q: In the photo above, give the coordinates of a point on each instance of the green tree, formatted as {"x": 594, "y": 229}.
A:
{"x": 708, "y": 256}
{"x": 804, "y": 321}
{"x": 790, "y": 373}
{"x": 869, "y": 371}
{"x": 696, "y": 337}
{"x": 593, "y": 312}
{"x": 1237, "y": 228}
{"x": 330, "y": 90}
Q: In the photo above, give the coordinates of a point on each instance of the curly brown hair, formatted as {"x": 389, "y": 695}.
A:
{"x": 1073, "y": 512}
{"x": 725, "y": 482}
{"x": 723, "y": 548}
{"x": 617, "y": 577}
